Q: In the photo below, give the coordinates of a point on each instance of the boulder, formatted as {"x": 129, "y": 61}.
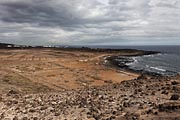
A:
{"x": 174, "y": 97}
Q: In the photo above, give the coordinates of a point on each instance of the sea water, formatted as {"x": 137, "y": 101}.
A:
{"x": 167, "y": 62}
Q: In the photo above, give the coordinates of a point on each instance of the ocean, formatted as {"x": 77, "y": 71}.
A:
{"x": 167, "y": 62}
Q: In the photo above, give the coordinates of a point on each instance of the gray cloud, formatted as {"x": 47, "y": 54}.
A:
{"x": 89, "y": 22}
{"x": 39, "y": 12}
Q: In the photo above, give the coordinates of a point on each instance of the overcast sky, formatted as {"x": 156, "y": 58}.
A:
{"x": 90, "y": 22}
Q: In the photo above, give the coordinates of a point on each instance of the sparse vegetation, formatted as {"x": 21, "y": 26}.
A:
{"x": 23, "y": 84}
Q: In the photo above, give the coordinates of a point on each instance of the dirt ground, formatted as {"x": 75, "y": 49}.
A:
{"x": 44, "y": 70}
{"x": 49, "y": 84}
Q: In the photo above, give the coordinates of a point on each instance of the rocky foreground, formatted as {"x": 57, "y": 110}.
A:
{"x": 145, "y": 98}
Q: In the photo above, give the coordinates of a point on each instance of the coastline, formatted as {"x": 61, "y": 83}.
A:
{"x": 113, "y": 93}
{"x": 124, "y": 63}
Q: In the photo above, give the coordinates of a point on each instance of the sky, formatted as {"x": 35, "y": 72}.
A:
{"x": 90, "y": 22}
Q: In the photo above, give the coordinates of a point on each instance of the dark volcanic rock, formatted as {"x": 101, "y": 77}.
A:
{"x": 174, "y": 83}
{"x": 11, "y": 92}
{"x": 108, "y": 81}
{"x": 143, "y": 98}
{"x": 174, "y": 97}
{"x": 164, "y": 92}
{"x": 142, "y": 76}
{"x": 1, "y": 98}
{"x": 169, "y": 106}
{"x": 132, "y": 116}
{"x": 15, "y": 118}
{"x": 32, "y": 110}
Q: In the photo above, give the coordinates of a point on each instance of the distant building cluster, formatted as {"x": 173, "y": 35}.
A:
{"x": 5, "y": 45}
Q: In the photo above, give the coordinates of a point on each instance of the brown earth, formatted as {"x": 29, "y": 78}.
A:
{"x": 41, "y": 70}
{"x": 48, "y": 84}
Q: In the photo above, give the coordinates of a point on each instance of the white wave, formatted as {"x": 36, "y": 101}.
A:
{"x": 148, "y": 55}
{"x": 147, "y": 65}
{"x": 154, "y": 55}
{"x": 134, "y": 59}
{"x": 160, "y": 69}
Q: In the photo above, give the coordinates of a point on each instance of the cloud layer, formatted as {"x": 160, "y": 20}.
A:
{"x": 85, "y": 22}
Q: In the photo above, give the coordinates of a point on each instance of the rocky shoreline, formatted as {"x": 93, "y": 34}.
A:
{"x": 145, "y": 98}
{"x": 121, "y": 62}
